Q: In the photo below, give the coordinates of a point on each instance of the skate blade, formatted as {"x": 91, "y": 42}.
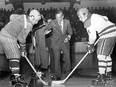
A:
{"x": 110, "y": 82}
{"x": 98, "y": 84}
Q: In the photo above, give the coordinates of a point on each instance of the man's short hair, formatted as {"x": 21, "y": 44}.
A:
{"x": 59, "y": 11}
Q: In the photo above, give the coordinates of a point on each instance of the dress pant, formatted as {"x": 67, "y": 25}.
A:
{"x": 66, "y": 59}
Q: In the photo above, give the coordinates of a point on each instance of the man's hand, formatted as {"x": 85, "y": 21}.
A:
{"x": 90, "y": 48}
{"x": 23, "y": 50}
{"x": 67, "y": 39}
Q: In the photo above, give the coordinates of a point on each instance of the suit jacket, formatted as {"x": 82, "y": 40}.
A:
{"x": 58, "y": 36}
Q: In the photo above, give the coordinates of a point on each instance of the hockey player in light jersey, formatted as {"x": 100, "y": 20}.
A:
{"x": 99, "y": 26}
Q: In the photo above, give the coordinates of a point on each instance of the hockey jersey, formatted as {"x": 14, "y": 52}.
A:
{"x": 18, "y": 27}
{"x": 98, "y": 24}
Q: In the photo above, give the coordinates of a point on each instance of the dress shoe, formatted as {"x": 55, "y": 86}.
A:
{"x": 52, "y": 77}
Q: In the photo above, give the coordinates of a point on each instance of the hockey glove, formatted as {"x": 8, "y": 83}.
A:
{"x": 23, "y": 49}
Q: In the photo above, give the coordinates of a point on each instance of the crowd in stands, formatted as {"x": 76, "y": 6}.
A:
{"x": 70, "y": 14}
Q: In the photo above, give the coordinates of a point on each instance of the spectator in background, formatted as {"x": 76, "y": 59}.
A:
{"x": 41, "y": 60}
{"x": 1, "y": 25}
{"x": 51, "y": 55}
{"x": 99, "y": 26}
{"x": 62, "y": 32}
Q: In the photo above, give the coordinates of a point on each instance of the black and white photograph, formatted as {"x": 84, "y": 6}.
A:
{"x": 57, "y": 43}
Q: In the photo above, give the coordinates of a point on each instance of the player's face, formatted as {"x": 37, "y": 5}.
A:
{"x": 36, "y": 18}
{"x": 81, "y": 16}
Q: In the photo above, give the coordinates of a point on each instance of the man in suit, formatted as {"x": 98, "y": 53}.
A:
{"x": 62, "y": 31}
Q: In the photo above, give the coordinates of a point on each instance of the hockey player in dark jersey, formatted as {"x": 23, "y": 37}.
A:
{"x": 16, "y": 31}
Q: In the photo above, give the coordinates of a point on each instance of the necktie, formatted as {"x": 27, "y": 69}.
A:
{"x": 61, "y": 27}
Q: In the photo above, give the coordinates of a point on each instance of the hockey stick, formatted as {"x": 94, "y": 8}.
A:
{"x": 63, "y": 81}
{"x": 45, "y": 83}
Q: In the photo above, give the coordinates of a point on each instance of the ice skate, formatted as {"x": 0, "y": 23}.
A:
{"x": 17, "y": 82}
{"x": 109, "y": 78}
{"x": 100, "y": 81}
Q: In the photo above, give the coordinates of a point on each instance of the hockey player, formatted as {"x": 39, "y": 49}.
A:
{"x": 16, "y": 31}
{"x": 99, "y": 26}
